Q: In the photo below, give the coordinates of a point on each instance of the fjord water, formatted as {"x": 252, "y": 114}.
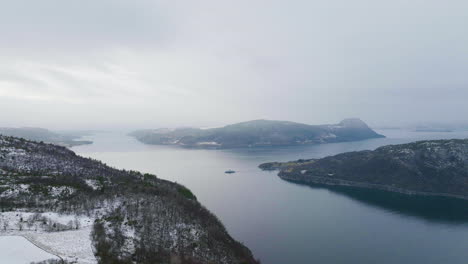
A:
{"x": 283, "y": 222}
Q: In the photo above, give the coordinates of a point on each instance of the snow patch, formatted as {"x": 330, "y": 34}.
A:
{"x": 92, "y": 183}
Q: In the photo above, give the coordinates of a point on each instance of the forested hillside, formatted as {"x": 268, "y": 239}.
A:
{"x": 137, "y": 218}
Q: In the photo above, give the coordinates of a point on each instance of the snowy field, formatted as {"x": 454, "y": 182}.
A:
{"x": 18, "y": 250}
{"x": 72, "y": 243}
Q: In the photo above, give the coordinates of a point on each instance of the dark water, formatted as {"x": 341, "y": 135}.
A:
{"x": 283, "y": 222}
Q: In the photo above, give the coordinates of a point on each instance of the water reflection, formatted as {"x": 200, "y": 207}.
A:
{"x": 430, "y": 208}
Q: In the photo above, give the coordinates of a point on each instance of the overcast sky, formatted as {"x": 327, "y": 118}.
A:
{"x": 142, "y": 64}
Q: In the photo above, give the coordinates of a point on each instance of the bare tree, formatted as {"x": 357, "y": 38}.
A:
{"x": 6, "y": 224}
{"x": 77, "y": 223}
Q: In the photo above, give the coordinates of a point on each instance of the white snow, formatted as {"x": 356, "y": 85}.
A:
{"x": 15, "y": 190}
{"x": 13, "y": 218}
{"x": 73, "y": 245}
{"x": 92, "y": 183}
{"x": 18, "y": 250}
{"x": 330, "y": 135}
{"x": 56, "y": 191}
{"x": 213, "y": 143}
{"x": 13, "y": 151}
{"x": 406, "y": 151}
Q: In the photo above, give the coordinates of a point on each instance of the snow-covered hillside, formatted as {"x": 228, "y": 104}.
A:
{"x": 80, "y": 209}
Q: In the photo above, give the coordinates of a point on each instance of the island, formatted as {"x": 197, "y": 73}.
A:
{"x": 66, "y": 138}
{"x": 84, "y": 211}
{"x": 258, "y": 133}
{"x": 435, "y": 168}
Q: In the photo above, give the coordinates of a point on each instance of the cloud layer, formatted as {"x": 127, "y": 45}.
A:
{"x": 115, "y": 63}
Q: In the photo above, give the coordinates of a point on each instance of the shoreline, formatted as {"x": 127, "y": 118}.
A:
{"x": 381, "y": 187}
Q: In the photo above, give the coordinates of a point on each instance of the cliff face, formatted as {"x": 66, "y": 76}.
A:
{"x": 437, "y": 167}
{"x": 259, "y": 133}
{"x": 138, "y": 218}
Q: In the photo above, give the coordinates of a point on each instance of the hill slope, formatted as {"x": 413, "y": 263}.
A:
{"x": 138, "y": 218}
{"x": 438, "y": 167}
{"x": 259, "y": 133}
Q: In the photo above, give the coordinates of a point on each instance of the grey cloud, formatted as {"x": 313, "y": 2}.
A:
{"x": 213, "y": 62}
{"x": 77, "y": 25}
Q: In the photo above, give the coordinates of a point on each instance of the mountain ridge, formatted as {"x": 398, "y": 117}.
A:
{"x": 260, "y": 132}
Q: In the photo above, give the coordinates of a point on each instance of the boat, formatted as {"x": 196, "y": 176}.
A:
{"x": 230, "y": 171}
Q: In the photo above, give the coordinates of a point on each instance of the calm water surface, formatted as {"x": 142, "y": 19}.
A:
{"x": 283, "y": 222}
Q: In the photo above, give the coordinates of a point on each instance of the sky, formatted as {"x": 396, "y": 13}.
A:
{"x": 97, "y": 64}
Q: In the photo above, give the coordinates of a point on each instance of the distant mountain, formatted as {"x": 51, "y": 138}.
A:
{"x": 438, "y": 167}
{"x": 258, "y": 133}
{"x": 41, "y": 134}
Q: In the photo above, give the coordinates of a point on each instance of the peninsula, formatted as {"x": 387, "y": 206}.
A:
{"x": 437, "y": 167}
